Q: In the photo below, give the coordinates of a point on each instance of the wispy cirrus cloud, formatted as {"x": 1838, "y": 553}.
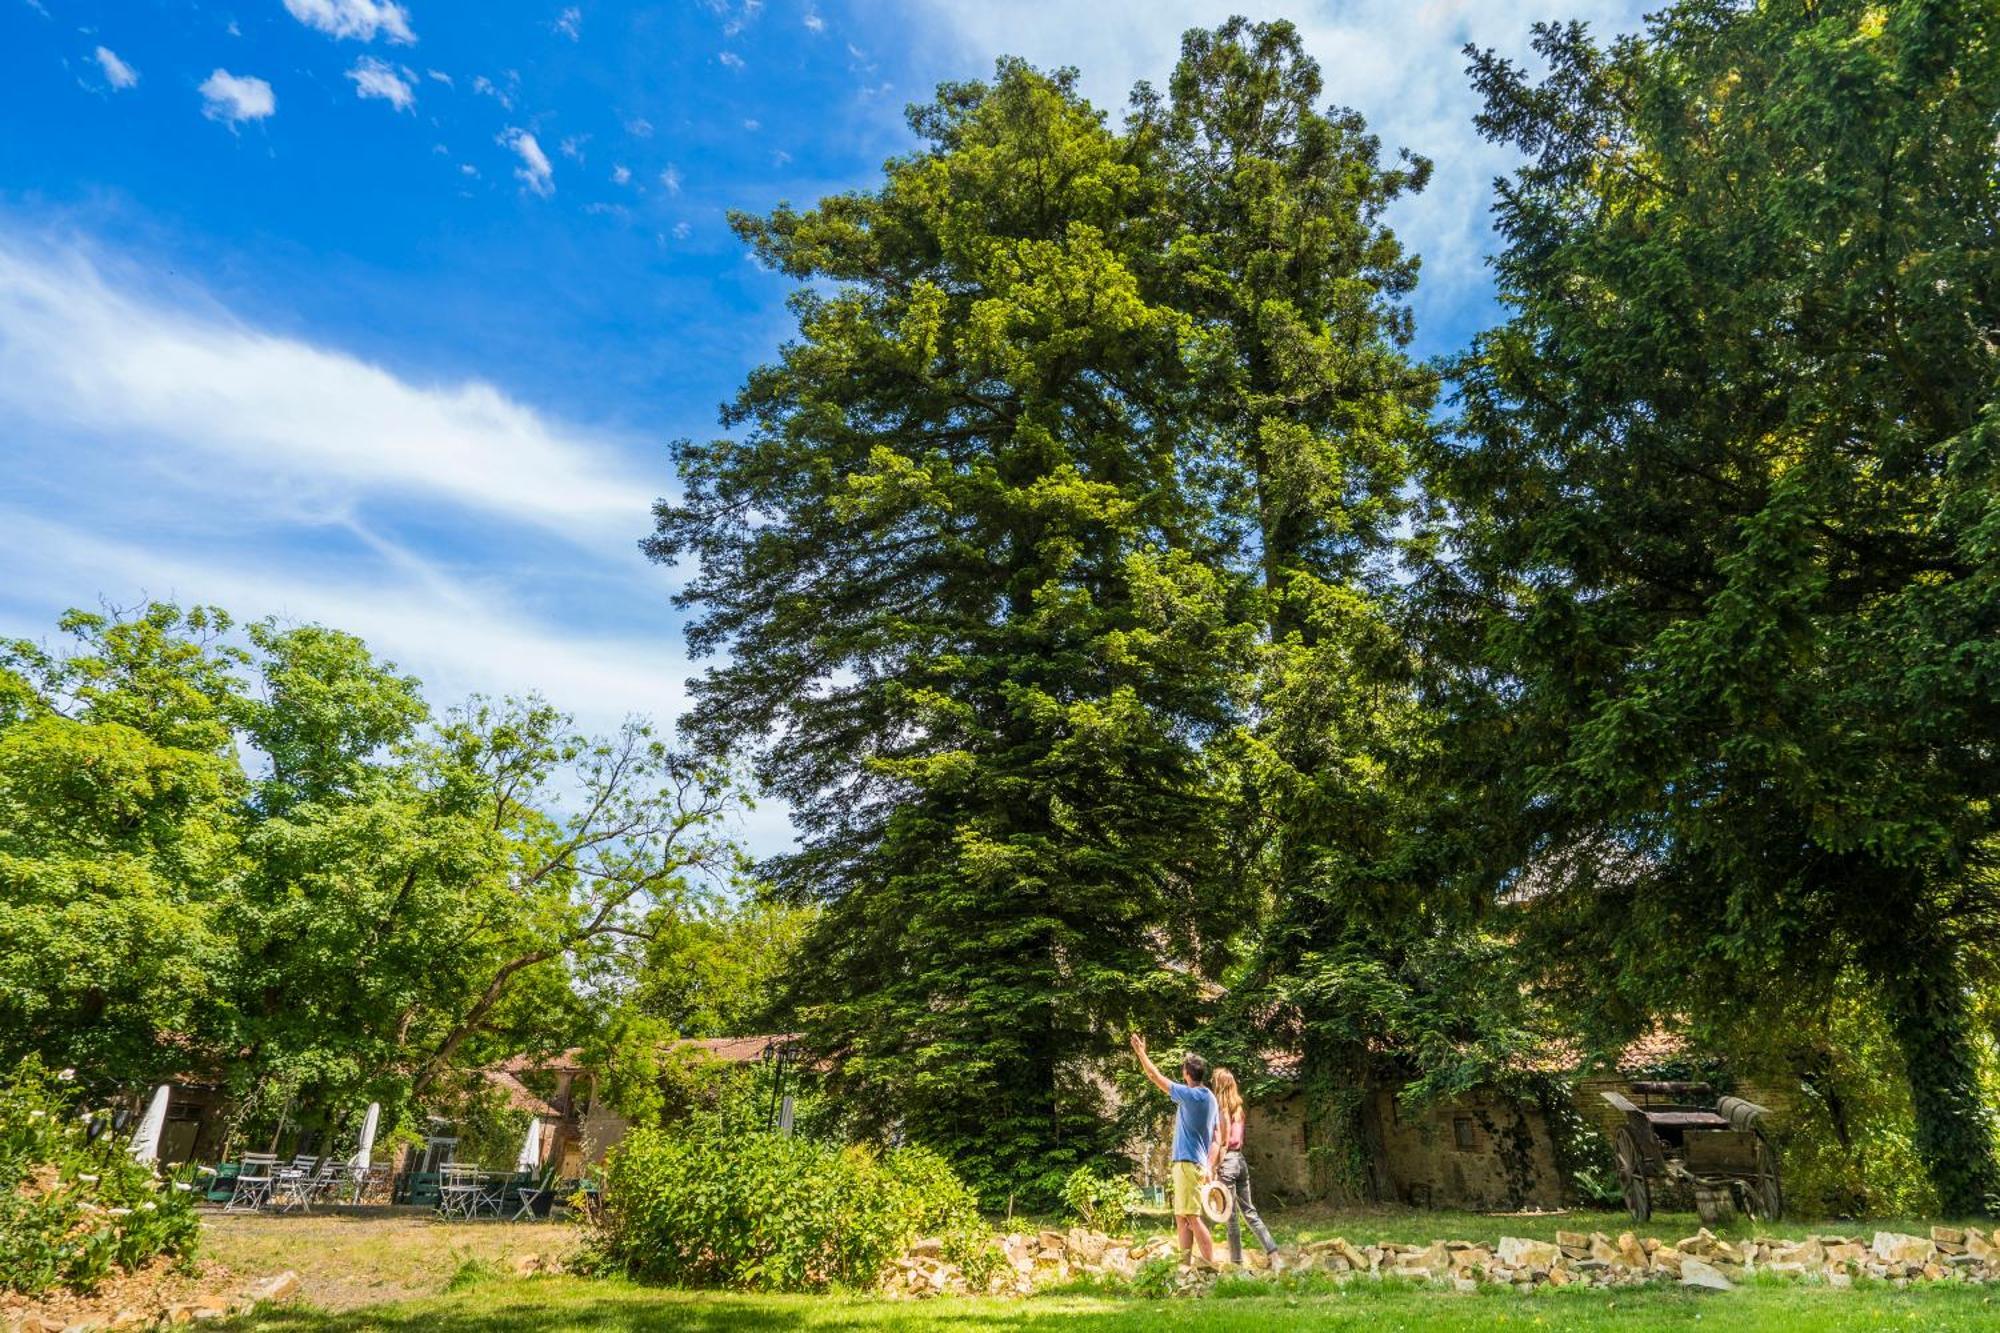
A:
{"x": 101, "y": 361}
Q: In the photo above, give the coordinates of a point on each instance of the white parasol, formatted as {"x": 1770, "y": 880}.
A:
{"x": 146, "y": 1142}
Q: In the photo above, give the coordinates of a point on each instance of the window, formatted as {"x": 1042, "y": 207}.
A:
{"x": 1464, "y": 1133}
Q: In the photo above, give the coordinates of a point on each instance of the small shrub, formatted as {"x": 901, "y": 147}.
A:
{"x": 73, "y": 1211}
{"x": 1155, "y": 1278}
{"x": 706, "y": 1207}
{"x": 1101, "y": 1202}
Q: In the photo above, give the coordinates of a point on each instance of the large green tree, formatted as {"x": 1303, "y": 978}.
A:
{"x": 253, "y": 855}
{"x": 1718, "y": 577}
{"x": 972, "y": 622}
{"x": 120, "y": 834}
{"x": 1307, "y": 411}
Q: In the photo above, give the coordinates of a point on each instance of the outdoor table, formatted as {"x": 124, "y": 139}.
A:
{"x": 292, "y": 1189}
{"x": 460, "y": 1192}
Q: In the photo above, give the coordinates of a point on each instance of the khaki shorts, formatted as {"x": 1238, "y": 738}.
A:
{"x": 1187, "y": 1189}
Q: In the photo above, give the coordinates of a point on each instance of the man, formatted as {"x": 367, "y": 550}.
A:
{"x": 1195, "y": 1145}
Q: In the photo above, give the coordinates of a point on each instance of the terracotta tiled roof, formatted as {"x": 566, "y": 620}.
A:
{"x": 734, "y": 1050}
{"x": 517, "y": 1094}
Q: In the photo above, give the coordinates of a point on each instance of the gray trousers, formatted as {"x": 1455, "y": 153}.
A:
{"x": 1235, "y": 1174}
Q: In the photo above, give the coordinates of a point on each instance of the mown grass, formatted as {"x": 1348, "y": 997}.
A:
{"x": 551, "y": 1305}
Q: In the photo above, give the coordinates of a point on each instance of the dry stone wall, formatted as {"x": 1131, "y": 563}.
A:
{"x": 1023, "y": 1262}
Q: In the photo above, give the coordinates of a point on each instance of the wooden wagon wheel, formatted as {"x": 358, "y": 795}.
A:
{"x": 1632, "y": 1175}
{"x": 1764, "y": 1197}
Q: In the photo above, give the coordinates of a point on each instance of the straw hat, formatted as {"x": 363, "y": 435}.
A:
{"x": 1216, "y": 1201}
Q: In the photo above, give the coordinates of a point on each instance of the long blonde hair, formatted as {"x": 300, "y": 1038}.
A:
{"x": 1223, "y": 1084}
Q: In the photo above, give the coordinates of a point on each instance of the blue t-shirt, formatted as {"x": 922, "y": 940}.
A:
{"x": 1194, "y": 1122}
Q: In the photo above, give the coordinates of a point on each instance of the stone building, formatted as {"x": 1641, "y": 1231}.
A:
{"x": 1486, "y": 1151}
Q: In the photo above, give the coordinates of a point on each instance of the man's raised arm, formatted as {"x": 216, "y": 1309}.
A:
{"x": 1146, "y": 1063}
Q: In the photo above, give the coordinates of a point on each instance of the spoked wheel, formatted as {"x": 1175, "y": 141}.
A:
{"x": 1632, "y": 1175}
{"x": 1764, "y": 1197}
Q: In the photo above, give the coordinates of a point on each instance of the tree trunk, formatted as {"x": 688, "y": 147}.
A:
{"x": 1924, "y": 999}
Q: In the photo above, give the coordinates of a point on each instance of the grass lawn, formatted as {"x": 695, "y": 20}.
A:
{"x": 544, "y": 1305}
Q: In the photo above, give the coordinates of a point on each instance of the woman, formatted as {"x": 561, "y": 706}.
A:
{"x": 1234, "y": 1171}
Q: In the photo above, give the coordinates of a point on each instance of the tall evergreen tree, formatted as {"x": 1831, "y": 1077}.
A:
{"x": 955, "y": 562}
{"x": 1723, "y": 512}
{"x": 1307, "y": 410}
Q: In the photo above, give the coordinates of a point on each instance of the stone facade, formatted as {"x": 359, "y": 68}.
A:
{"x": 1479, "y": 1152}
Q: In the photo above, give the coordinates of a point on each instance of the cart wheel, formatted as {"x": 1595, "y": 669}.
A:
{"x": 1715, "y": 1207}
{"x": 1764, "y": 1197}
{"x": 1632, "y": 1176}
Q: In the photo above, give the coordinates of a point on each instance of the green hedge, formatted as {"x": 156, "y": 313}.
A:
{"x": 72, "y": 1211}
{"x": 703, "y": 1206}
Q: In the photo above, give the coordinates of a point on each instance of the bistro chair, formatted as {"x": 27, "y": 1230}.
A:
{"x": 254, "y": 1177}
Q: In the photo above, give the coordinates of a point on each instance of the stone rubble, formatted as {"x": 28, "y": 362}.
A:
{"x": 1022, "y": 1262}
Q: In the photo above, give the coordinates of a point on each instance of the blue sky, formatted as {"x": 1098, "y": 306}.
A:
{"x": 382, "y": 313}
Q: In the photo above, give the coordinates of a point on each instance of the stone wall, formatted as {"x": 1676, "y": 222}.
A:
{"x": 1475, "y": 1152}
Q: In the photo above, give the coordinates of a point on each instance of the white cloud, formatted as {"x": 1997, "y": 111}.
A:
{"x": 730, "y": 60}
{"x": 236, "y": 97}
{"x": 670, "y": 179}
{"x": 360, "y": 19}
{"x": 814, "y": 22}
{"x": 621, "y": 174}
{"x": 753, "y": 125}
{"x": 116, "y": 72}
{"x": 439, "y": 76}
{"x": 482, "y": 84}
{"x": 569, "y": 23}
{"x": 1396, "y": 61}
{"x": 374, "y": 78}
{"x": 182, "y": 385}
{"x": 460, "y": 639}
{"x": 572, "y": 146}
{"x": 745, "y": 15}
{"x": 534, "y": 171}
{"x": 682, "y": 231}
{"x": 639, "y": 127}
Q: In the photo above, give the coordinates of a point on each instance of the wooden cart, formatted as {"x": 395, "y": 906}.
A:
{"x": 1682, "y": 1135}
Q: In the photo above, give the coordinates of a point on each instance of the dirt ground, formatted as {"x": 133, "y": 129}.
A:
{"x": 345, "y": 1261}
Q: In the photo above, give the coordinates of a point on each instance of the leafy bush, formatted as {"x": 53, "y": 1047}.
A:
{"x": 706, "y": 1206}
{"x": 71, "y": 1211}
{"x": 1101, "y": 1202}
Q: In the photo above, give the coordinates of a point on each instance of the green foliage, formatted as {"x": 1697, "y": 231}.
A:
{"x": 1157, "y": 1278}
{"x": 1103, "y": 1202}
{"x": 706, "y": 1205}
{"x": 71, "y": 1211}
{"x": 1050, "y": 564}
{"x": 1713, "y": 603}
{"x": 388, "y": 903}
{"x": 951, "y": 559}
{"x": 716, "y": 967}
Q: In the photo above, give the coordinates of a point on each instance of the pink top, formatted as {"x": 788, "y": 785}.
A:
{"x": 1232, "y": 1139}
